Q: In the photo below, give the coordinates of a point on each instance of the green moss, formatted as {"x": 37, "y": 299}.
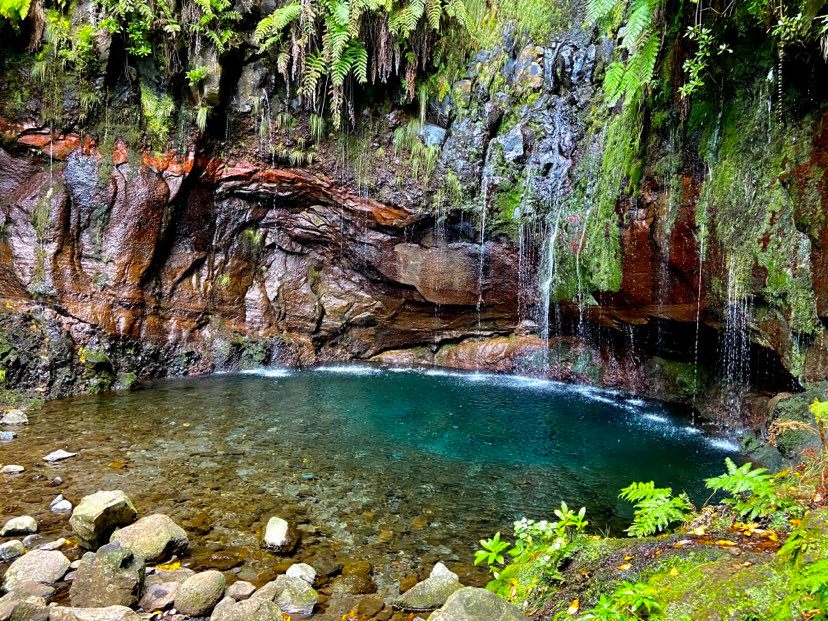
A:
{"x": 157, "y": 110}
{"x": 750, "y": 210}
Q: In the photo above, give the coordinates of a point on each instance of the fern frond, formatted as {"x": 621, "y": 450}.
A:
{"x": 270, "y": 28}
{"x": 596, "y": 10}
{"x": 639, "y": 20}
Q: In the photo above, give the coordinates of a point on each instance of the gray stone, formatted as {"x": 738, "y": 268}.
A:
{"x": 155, "y": 538}
{"x": 432, "y": 135}
{"x": 12, "y": 469}
{"x": 11, "y": 550}
{"x": 23, "y": 525}
{"x": 248, "y": 610}
{"x": 429, "y": 594}
{"x": 159, "y": 596}
{"x": 45, "y": 566}
{"x": 472, "y": 604}
{"x": 292, "y": 595}
{"x": 34, "y": 589}
{"x": 30, "y": 541}
{"x": 240, "y": 590}
{"x": 441, "y": 570}
{"x": 278, "y": 535}
{"x": 112, "y": 576}
{"x": 60, "y": 505}
{"x": 110, "y": 613}
{"x": 7, "y": 436}
{"x": 14, "y": 417}
{"x": 248, "y": 90}
{"x": 303, "y": 571}
{"x": 199, "y": 594}
{"x": 17, "y": 606}
{"x": 57, "y": 544}
{"x": 98, "y": 514}
{"x": 58, "y": 455}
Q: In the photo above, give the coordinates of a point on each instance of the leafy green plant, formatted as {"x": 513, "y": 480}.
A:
{"x": 196, "y": 76}
{"x": 629, "y": 601}
{"x": 492, "y": 551}
{"x": 655, "y": 508}
{"x": 753, "y": 493}
{"x": 14, "y": 11}
{"x": 820, "y": 411}
{"x": 324, "y": 45}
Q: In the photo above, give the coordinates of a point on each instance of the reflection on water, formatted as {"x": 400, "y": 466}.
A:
{"x": 400, "y": 468}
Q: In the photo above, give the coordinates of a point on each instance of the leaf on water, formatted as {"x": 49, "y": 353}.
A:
{"x": 118, "y": 465}
{"x": 169, "y": 566}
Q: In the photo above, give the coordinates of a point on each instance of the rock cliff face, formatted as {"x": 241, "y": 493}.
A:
{"x": 124, "y": 264}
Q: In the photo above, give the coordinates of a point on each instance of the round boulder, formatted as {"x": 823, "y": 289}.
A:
{"x": 200, "y": 593}
{"x": 154, "y": 538}
{"x": 11, "y": 550}
{"x": 44, "y": 566}
{"x": 98, "y": 514}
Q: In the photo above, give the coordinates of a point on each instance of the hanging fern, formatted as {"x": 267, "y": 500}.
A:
{"x": 639, "y": 46}
{"x": 327, "y": 46}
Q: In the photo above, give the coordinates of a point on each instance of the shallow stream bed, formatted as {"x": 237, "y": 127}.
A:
{"x": 400, "y": 468}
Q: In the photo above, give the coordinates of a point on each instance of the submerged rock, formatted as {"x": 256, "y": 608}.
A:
{"x": 23, "y": 525}
{"x": 473, "y": 604}
{"x": 155, "y": 538}
{"x": 58, "y": 455}
{"x": 98, "y": 514}
{"x": 14, "y": 417}
{"x": 6, "y": 436}
{"x": 278, "y": 535}
{"x": 11, "y": 549}
{"x": 111, "y": 576}
{"x": 44, "y": 566}
{"x": 199, "y": 594}
{"x": 429, "y": 594}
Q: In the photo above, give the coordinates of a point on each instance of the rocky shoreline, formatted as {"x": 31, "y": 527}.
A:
{"x": 112, "y": 565}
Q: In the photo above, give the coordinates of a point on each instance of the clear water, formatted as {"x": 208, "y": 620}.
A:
{"x": 400, "y": 468}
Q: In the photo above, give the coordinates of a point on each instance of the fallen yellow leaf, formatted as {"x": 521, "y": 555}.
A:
{"x": 674, "y": 572}
{"x": 624, "y": 567}
{"x": 725, "y": 542}
{"x": 169, "y": 566}
{"x": 628, "y": 558}
{"x": 698, "y": 531}
{"x": 573, "y": 607}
